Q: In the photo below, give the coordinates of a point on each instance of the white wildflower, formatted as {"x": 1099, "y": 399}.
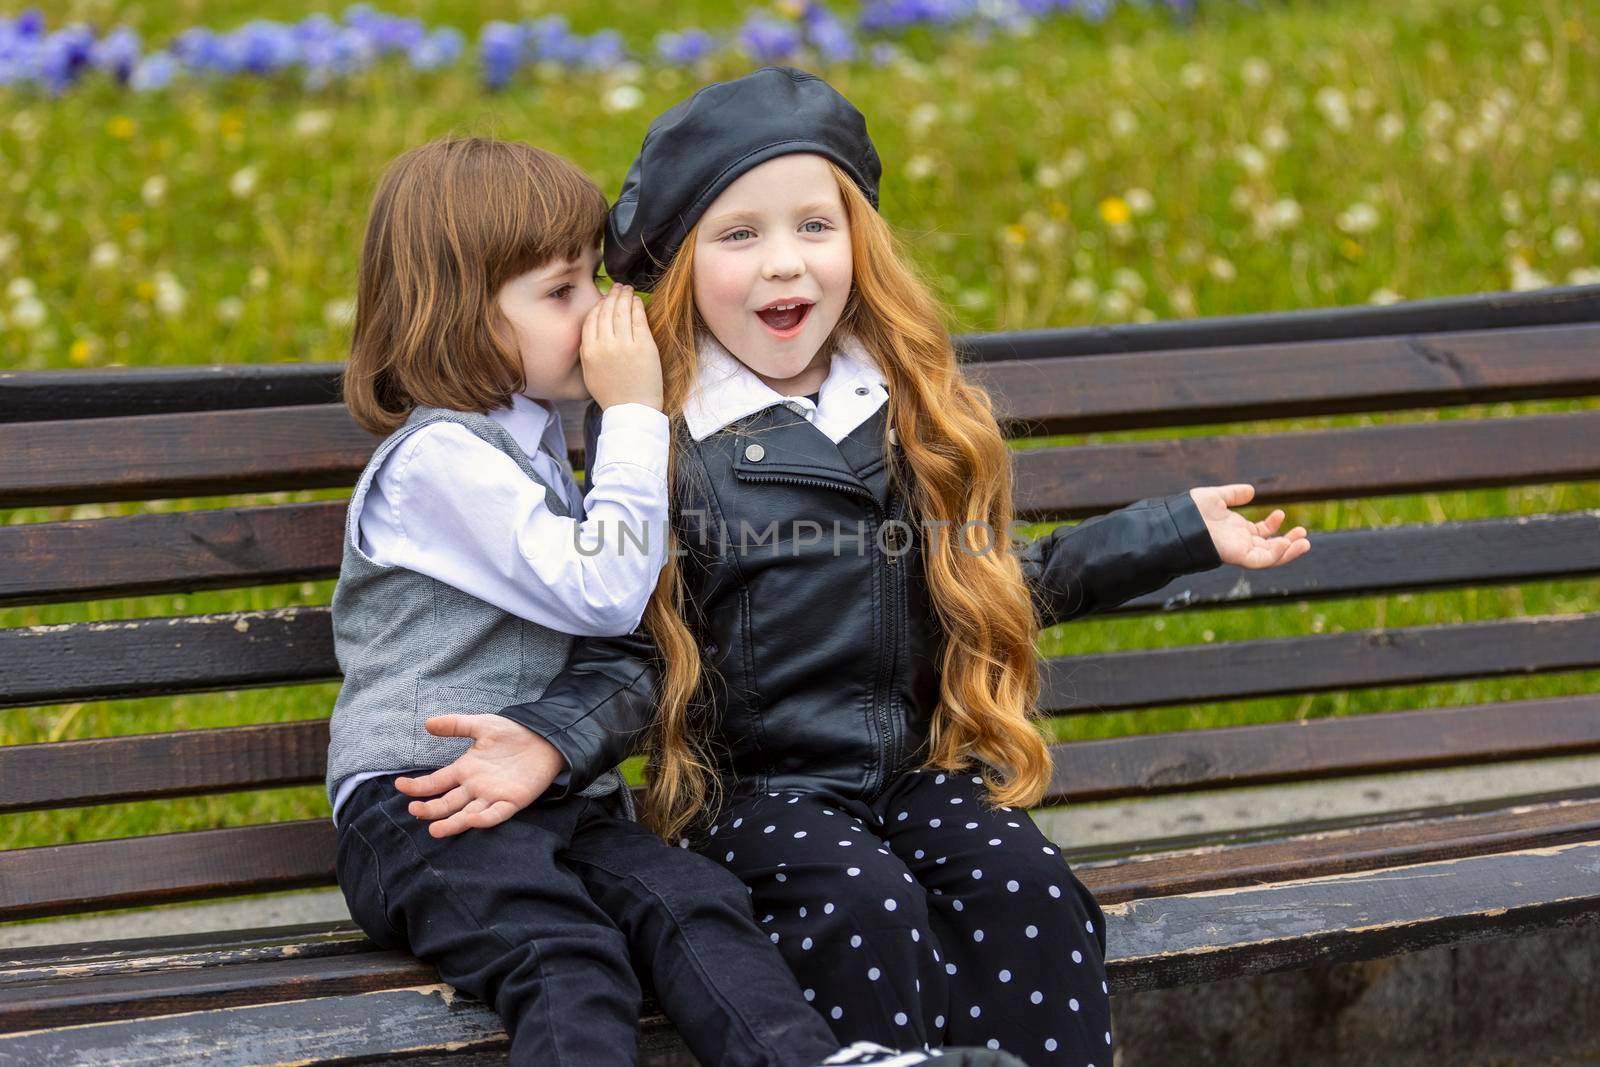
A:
{"x": 338, "y": 313}
{"x": 923, "y": 117}
{"x": 1047, "y": 177}
{"x": 1390, "y": 127}
{"x": 170, "y": 294}
{"x": 1567, "y": 239}
{"x": 1285, "y": 214}
{"x": 1384, "y": 296}
{"x": 1129, "y": 281}
{"x": 1274, "y": 138}
{"x": 1192, "y": 76}
{"x": 104, "y": 256}
{"x": 1534, "y": 53}
{"x": 28, "y": 313}
{"x": 1082, "y": 291}
{"x": 623, "y": 98}
{"x": 1331, "y": 102}
{"x": 1358, "y": 218}
{"x": 1116, "y": 304}
{"x": 153, "y": 190}
{"x": 1073, "y": 163}
{"x": 1255, "y": 72}
{"x": 1124, "y": 123}
{"x": 1511, "y": 207}
{"x": 243, "y": 182}
{"x": 8, "y": 245}
{"x": 259, "y": 277}
{"x": 230, "y": 309}
{"x": 1524, "y": 277}
{"x": 1584, "y": 276}
{"x": 314, "y": 123}
{"x": 1222, "y": 269}
{"x": 1467, "y": 140}
{"x": 21, "y": 288}
{"x": 1252, "y": 159}
{"x": 1591, "y": 190}
{"x": 1139, "y": 201}
{"x": 919, "y": 167}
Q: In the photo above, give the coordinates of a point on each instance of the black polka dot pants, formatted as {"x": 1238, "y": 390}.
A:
{"x": 925, "y": 917}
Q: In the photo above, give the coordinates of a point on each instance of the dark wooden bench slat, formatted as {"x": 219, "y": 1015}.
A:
{"x": 1428, "y": 457}
{"x": 149, "y": 657}
{"x": 228, "y": 759}
{"x": 1149, "y": 390}
{"x": 201, "y": 948}
{"x": 1239, "y": 670}
{"x": 1268, "y": 887}
{"x": 32, "y": 396}
{"x": 318, "y": 447}
{"x": 163, "y": 868}
{"x": 190, "y": 550}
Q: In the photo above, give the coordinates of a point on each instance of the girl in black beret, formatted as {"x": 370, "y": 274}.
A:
{"x": 840, "y": 706}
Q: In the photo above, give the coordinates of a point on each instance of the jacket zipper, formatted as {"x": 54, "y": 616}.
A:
{"x": 880, "y": 700}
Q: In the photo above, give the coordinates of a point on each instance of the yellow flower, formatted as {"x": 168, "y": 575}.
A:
{"x": 232, "y": 122}
{"x": 1351, "y": 249}
{"x": 1115, "y": 211}
{"x": 122, "y": 127}
{"x": 80, "y": 351}
{"x": 791, "y": 8}
{"x": 1016, "y": 234}
{"x": 1058, "y": 211}
{"x": 127, "y": 223}
{"x": 145, "y": 290}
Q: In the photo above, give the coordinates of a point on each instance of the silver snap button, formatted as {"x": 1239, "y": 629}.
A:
{"x": 862, "y": 390}
{"x": 754, "y": 453}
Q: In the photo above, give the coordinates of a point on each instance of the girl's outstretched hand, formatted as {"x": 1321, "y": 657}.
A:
{"x": 1240, "y": 541}
{"x": 507, "y": 768}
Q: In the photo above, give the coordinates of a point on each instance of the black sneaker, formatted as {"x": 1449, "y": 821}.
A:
{"x": 864, "y": 1053}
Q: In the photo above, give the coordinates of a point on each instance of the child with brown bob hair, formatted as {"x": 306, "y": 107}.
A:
{"x": 471, "y": 568}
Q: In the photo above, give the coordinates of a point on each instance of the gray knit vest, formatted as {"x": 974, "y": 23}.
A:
{"x": 412, "y": 647}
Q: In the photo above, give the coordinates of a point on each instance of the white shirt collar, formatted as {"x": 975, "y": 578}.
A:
{"x": 531, "y": 421}
{"x": 727, "y": 391}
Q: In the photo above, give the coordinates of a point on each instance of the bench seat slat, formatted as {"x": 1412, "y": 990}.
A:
{"x": 232, "y": 758}
{"x": 189, "y": 550}
{"x": 150, "y": 657}
{"x": 125, "y": 872}
{"x": 1153, "y": 942}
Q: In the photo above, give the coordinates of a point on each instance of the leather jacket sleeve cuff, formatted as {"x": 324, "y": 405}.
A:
{"x": 595, "y": 709}
{"x": 1193, "y": 532}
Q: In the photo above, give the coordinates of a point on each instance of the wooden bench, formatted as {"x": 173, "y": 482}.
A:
{"x": 1179, "y": 912}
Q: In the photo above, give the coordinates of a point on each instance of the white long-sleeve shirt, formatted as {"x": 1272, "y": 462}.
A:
{"x": 451, "y": 506}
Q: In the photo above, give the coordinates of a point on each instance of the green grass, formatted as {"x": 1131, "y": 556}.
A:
{"x": 227, "y": 218}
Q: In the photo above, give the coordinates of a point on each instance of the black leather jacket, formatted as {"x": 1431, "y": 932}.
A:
{"x": 822, "y": 654}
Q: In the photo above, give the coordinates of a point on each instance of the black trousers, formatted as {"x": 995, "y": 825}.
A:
{"x": 925, "y": 917}
{"x": 540, "y": 916}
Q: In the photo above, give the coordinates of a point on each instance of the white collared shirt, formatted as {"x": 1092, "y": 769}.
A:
{"x": 448, "y": 504}
{"x": 728, "y": 391}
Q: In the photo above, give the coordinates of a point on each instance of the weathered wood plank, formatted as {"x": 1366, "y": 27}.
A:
{"x": 190, "y": 550}
{"x": 228, "y": 759}
{"x": 1237, "y": 670}
{"x": 1427, "y": 457}
{"x": 1205, "y": 937}
{"x": 30, "y": 396}
{"x": 151, "y": 657}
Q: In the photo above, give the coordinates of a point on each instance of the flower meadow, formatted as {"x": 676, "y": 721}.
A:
{"x": 187, "y": 183}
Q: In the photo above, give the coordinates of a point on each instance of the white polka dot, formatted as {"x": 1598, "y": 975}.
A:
{"x": 972, "y": 826}
{"x": 806, "y": 944}
{"x": 902, "y": 816}
{"x": 919, "y": 853}
{"x": 941, "y": 859}
{"x": 977, "y": 873}
{"x": 993, "y": 1043}
{"x": 1013, "y": 825}
{"x": 769, "y": 829}
{"x": 977, "y": 935}
{"x": 915, "y": 934}
{"x": 939, "y": 780}
{"x": 934, "y": 823}
{"x": 1036, "y": 996}
{"x": 1005, "y": 976}
{"x": 802, "y": 913}
{"x": 844, "y": 844}
{"x": 780, "y": 876}
{"x": 827, "y": 909}
{"x": 713, "y": 831}
{"x": 683, "y": 842}
{"x": 1077, "y": 957}
{"x": 1049, "y": 851}
{"x": 774, "y": 937}
{"x": 1103, "y": 988}
{"x": 955, "y": 800}
{"x": 1108, "y": 1037}
{"x": 1013, "y": 885}
{"x": 852, "y": 871}
{"x": 837, "y": 1013}
{"x": 1032, "y": 931}
{"x": 1073, "y": 1003}
{"x": 810, "y": 994}
{"x": 976, "y": 780}
{"x": 938, "y": 1021}
{"x": 766, "y": 920}
{"x": 728, "y": 857}
{"x": 890, "y": 905}
{"x": 794, "y": 800}
{"x": 798, "y": 834}
{"x": 738, "y": 823}
{"x": 873, "y": 974}
{"x": 903, "y": 874}
{"x": 1088, "y": 925}
{"x": 994, "y": 840}
{"x": 1049, "y": 1044}
{"x": 974, "y": 1011}
{"x": 855, "y": 940}
{"x": 900, "y": 1018}
{"x": 956, "y": 904}
{"x": 949, "y": 968}
{"x": 1055, "y": 891}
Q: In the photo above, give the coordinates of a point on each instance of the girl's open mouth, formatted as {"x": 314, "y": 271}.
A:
{"x": 785, "y": 319}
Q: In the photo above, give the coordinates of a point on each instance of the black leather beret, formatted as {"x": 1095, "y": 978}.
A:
{"x": 698, "y": 147}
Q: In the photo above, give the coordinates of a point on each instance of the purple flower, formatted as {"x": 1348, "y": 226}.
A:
{"x": 439, "y": 48}
{"x": 500, "y": 47}
{"x": 686, "y": 48}
{"x": 154, "y": 71}
{"x": 767, "y": 39}
{"x": 604, "y": 51}
{"x": 30, "y": 23}
{"x": 116, "y": 53}
{"x": 63, "y": 56}
{"x": 830, "y": 36}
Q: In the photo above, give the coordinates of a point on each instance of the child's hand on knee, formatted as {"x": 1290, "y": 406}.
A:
{"x": 507, "y": 768}
{"x": 1240, "y": 541}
